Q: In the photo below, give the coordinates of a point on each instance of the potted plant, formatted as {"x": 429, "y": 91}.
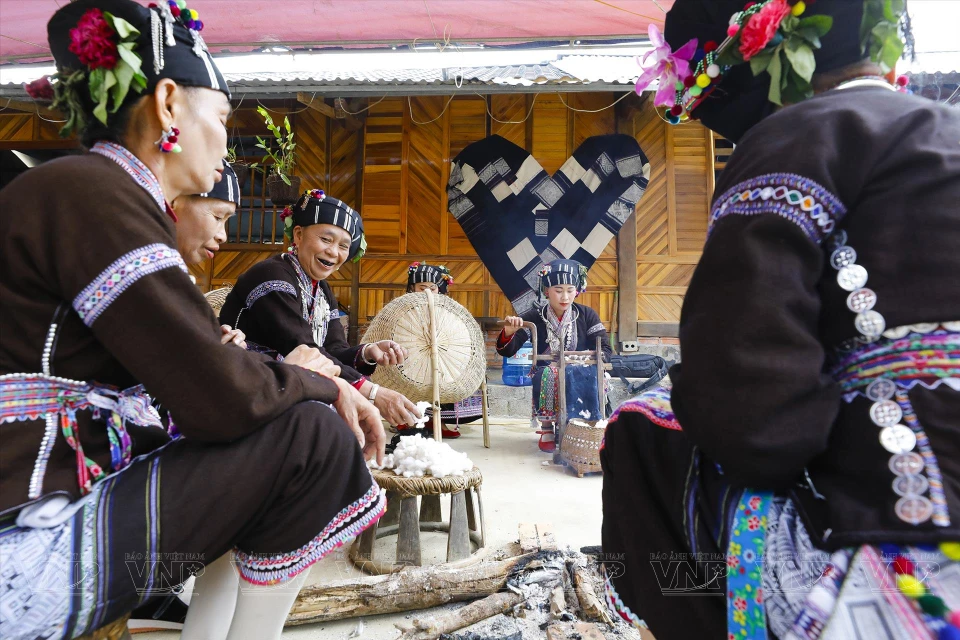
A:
{"x": 241, "y": 168}
{"x": 282, "y": 187}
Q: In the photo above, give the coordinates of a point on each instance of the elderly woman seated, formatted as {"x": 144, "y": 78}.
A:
{"x": 286, "y": 301}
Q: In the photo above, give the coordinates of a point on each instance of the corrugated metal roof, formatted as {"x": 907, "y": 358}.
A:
{"x": 529, "y": 74}
{"x": 566, "y": 71}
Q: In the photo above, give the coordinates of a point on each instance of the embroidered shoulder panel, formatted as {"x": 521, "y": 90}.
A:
{"x": 269, "y": 286}
{"x": 800, "y": 200}
{"x": 655, "y": 405}
{"x": 121, "y": 274}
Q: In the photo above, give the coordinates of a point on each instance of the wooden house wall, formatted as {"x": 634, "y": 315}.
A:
{"x": 394, "y": 167}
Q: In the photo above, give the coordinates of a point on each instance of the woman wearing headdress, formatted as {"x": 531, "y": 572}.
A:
{"x": 562, "y": 325}
{"x": 97, "y": 304}
{"x": 802, "y": 479}
{"x": 437, "y": 278}
{"x": 285, "y": 301}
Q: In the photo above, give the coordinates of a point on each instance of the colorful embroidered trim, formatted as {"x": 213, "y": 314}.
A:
{"x": 822, "y": 599}
{"x": 121, "y": 274}
{"x": 916, "y": 356}
{"x": 349, "y": 523}
{"x": 940, "y": 517}
{"x": 548, "y": 403}
{"x": 134, "y": 167}
{"x": 746, "y": 617}
{"x": 56, "y": 400}
{"x": 655, "y": 405}
{"x": 597, "y": 328}
{"x": 800, "y": 200}
{"x": 616, "y": 606}
{"x": 269, "y": 286}
{"x": 471, "y": 407}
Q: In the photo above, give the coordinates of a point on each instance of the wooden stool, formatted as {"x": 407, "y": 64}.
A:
{"x": 406, "y": 520}
{"x": 116, "y": 630}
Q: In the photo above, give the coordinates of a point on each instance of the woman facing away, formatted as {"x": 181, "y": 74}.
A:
{"x": 562, "y": 325}
{"x": 269, "y": 475}
{"x": 802, "y": 478}
{"x": 286, "y": 301}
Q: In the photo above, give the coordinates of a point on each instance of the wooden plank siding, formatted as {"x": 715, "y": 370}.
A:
{"x": 396, "y": 167}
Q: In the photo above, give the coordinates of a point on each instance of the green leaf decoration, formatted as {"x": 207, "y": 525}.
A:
{"x": 811, "y": 36}
{"x": 124, "y": 29}
{"x": 363, "y": 248}
{"x": 123, "y": 74}
{"x": 760, "y": 62}
{"x": 66, "y": 99}
{"x": 775, "y": 69}
{"x": 802, "y": 61}
{"x": 821, "y": 24}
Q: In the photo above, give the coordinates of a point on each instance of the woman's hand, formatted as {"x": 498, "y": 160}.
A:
{"x": 235, "y": 336}
{"x": 512, "y": 324}
{"x": 363, "y": 418}
{"x": 312, "y": 359}
{"x": 385, "y": 352}
{"x": 395, "y": 408}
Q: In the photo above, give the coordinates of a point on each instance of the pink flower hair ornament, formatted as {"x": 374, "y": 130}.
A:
{"x": 670, "y": 67}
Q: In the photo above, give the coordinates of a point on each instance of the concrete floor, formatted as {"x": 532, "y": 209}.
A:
{"x": 520, "y": 484}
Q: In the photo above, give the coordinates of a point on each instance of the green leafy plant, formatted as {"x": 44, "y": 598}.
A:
{"x": 880, "y": 32}
{"x": 232, "y": 155}
{"x": 282, "y": 147}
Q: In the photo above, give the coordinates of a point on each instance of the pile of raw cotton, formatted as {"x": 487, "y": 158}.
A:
{"x": 416, "y": 457}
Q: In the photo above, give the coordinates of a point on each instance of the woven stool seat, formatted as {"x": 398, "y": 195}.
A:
{"x": 427, "y": 485}
{"x": 405, "y": 519}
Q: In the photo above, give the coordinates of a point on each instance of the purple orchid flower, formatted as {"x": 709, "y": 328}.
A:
{"x": 669, "y": 66}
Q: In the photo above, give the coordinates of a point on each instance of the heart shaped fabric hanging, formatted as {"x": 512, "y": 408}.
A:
{"x": 517, "y": 217}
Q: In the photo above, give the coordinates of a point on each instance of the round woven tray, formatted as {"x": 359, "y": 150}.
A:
{"x": 580, "y": 447}
{"x": 217, "y": 297}
{"x": 427, "y": 485}
{"x": 461, "y": 356}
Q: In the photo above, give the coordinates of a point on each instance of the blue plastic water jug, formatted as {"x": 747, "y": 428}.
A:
{"x": 516, "y": 369}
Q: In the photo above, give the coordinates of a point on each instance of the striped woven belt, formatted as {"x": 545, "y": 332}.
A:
{"x": 35, "y": 396}
{"x": 927, "y": 353}
{"x": 883, "y": 371}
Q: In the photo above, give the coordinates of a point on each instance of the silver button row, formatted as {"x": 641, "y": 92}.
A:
{"x": 907, "y": 466}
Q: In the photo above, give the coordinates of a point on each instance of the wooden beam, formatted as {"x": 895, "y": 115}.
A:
{"x": 353, "y": 333}
{"x": 627, "y": 277}
{"x": 317, "y": 104}
{"x": 711, "y": 169}
{"x": 28, "y": 106}
{"x": 671, "y": 188}
{"x": 444, "y": 177}
{"x": 310, "y": 100}
{"x": 658, "y": 329}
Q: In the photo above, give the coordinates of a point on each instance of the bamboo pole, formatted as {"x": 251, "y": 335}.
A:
{"x": 435, "y": 362}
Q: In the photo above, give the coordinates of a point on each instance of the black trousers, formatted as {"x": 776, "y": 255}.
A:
{"x": 281, "y": 497}
{"x": 664, "y": 529}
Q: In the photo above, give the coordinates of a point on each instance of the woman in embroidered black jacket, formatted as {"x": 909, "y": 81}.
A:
{"x": 96, "y": 299}
{"x": 285, "y": 301}
{"x": 812, "y": 430}
{"x": 561, "y": 323}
